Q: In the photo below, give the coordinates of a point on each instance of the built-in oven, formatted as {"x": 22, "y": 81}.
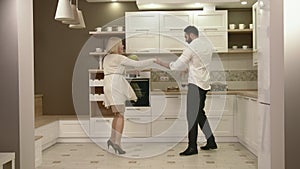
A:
{"x": 142, "y": 90}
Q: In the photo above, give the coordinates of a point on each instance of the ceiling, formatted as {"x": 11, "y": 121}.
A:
{"x": 185, "y": 4}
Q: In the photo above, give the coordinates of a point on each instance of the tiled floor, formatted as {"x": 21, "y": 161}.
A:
{"x": 92, "y": 156}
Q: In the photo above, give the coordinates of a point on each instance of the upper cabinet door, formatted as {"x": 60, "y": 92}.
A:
{"x": 142, "y": 32}
{"x": 171, "y": 29}
{"x": 215, "y": 21}
{"x": 136, "y": 22}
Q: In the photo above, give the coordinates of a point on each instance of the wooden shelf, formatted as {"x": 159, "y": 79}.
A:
{"x": 250, "y": 50}
{"x": 107, "y": 33}
{"x": 240, "y": 30}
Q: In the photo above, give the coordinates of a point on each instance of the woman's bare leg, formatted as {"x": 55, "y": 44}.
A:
{"x": 119, "y": 126}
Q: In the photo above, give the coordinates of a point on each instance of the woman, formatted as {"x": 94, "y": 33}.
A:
{"x": 116, "y": 88}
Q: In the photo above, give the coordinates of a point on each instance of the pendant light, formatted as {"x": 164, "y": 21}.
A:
{"x": 64, "y": 11}
{"x": 81, "y": 24}
{"x": 75, "y": 13}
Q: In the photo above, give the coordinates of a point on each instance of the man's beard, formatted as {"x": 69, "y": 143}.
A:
{"x": 189, "y": 40}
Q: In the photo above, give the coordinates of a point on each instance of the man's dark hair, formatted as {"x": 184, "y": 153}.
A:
{"x": 191, "y": 29}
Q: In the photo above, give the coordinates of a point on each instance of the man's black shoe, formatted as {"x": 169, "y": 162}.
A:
{"x": 189, "y": 151}
{"x": 209, "y": 146}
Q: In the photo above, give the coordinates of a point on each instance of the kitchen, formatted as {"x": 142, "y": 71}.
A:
{"x": 61, "y": 89}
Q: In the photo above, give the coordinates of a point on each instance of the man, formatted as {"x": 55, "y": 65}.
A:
{"x": 197, "y": 56}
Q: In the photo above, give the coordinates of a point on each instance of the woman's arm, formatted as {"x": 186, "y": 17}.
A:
{"x": 137, "y": 64}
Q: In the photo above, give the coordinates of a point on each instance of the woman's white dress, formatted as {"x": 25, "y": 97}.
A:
{"x": 116, "y": 88}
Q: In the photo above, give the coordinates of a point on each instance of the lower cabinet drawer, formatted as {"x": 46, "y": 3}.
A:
{"x": 169, "y": 127}
{"x": 137, "y": 127}
{"x": 73, "y": 128}
{"x": 100, "y": 127}
{"x": 220, "y": 125}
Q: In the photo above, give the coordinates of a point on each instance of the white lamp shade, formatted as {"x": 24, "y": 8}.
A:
{"x": 76, "y": 19}
{"x": 64, "y": 11}
{"x": 81, "y": 24}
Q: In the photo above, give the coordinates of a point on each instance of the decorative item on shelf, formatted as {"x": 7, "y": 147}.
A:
{"x": 120, "y": 28}
{"x": 75, "y": 13}
{"x": 250, "y": 26}
{"x": 98, "y": 50}
{"x": 234, "y": 47}
{"x": 109, "y": 29}
{"x": 241, "y": 26}
{"x": 81, "y": 23}
{"x": 64, "y": 11}
{"x": 231, "y": 26}
{"x": 98, "y": 29}
{"x": 245, "y": 47}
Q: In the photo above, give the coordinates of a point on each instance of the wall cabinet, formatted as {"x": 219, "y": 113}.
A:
{"x": 163, "y": 31}
{"x": 142, "y": 32}
{"x": 171, "y": 29}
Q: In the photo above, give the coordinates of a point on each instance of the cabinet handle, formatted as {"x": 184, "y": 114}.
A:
{"x": 245, "y": 98}
{"x": 174, "y": 97}
{"x": 176, "y": 29}
{"x": 133, "y": 118}
{"x": 170, "y": 118}
{"x": 255, "y": 100}
{"x": 102, "y": 120}
{"x": 134, "y": 109}
{"x": 142, "y": 30}
{"x": 176, "y": 50}
{"x": 210, "y": 29}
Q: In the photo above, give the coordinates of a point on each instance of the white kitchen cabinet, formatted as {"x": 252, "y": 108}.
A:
{"x": 220, "y": 125}
{"x": 168, "y": 115}
{"x": 169, "y": 127}
{"x": 73, "y": 128}
{"x": 247, "y": 122}
{"x": 213, "y": 26}
{"x": 100, "y": 127}
{"x": 137, "y": 127}
{"x": 212, "y": 21}
{"x": 218, "y": 105}
{"x": 168, "y": 105}
{"x": 49, "y": 134}
{"x": 163, "y": 31}
{"x": 142, "y": 32}
{"x": 220, "y": 113}
{"x": 171, "y": 29}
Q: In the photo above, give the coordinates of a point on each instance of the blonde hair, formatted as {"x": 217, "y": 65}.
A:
{"x": 113, "y": 44}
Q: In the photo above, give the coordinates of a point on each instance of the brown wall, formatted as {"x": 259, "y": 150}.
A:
{"x": 9, "y": 89}
{"x": 57, "y": 48}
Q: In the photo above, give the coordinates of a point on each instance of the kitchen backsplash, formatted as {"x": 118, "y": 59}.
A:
{"x": 236, "y": 70}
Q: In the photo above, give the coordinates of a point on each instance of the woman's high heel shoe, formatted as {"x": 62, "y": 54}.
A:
{"x": 118, "y": 149}
{"x": 110, "y": 143}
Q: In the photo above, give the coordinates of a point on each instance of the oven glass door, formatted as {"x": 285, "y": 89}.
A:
{"x": 141, "y": 89}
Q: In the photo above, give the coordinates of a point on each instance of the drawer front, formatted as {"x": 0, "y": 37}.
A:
{"x": 100, "y": 127}
{"x": 137, "y": 127}
{"x": 169, "y": 127}
{"x": 73, "y": 129}
{"x": 217, "y": 105}
{"x": 220, "y": 125}
{"x": 168, "y": 105}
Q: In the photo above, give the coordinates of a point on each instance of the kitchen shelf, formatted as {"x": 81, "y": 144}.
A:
{"x": 240, "y": 30}
{"x": 95, "y": 71}
{"x": 107, "y": 33}
{"x": 250, "y": 50}
{"x": 97, "y": 53}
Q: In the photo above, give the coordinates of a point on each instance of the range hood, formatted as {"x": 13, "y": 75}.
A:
{"x": 180, "y": 4}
